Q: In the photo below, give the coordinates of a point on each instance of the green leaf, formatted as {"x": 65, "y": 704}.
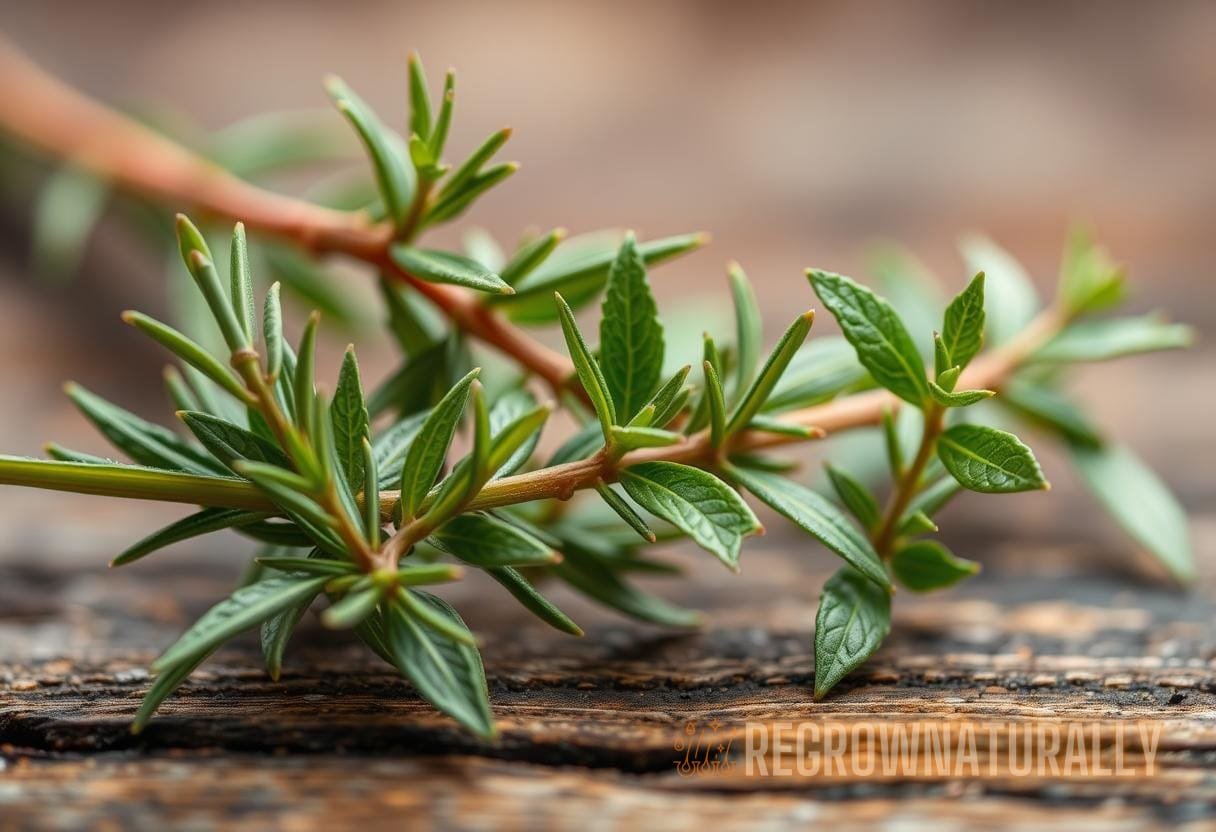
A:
{"x": 445, "y": 267}
{"x": 487, "y": 542}
{"x": 230, "y": 443}
{"x": 932, "y": 498}
{"x": 579, "y": 269}
{"x": 819, "y": 371}
{"x": 664, "y": 399}
{"x": 453, "y": 201}
{"x": 350, "y": 421}
{"x": 531, "y": 255}
{"x": 625, "y": 511}
{"x": 540, "y": 606}
{"x": 856, "y": 497}
{"x": 1140, "y": 502}
{"x": 447, "y": 674}
{"x": 439, "y": 133}
{"x": 188, "y": 351}
{"x": 202, "y": 269}
{"x": 390, "y": 447}
{"x": 1089, "y": 280}
{"x": 961, "y": 398}
{"x": 310, "y": 566}
{"x": 276, "y": 632}
{"x": 1050, "y": 408}
{"x": 427, "y": 452}
{"x": 244, "y": 609}
{"x": 590, "y": 576}
{"x": 630, "y": 438}
{"x": 420, "y": 99}
{"x": 853, "y": 619}
{"x": 818, "y": 517}
{"x": 355, "y": 606}
{"x": 1010, "y": 299}
{"x": 272, "y": 330}
{"x": 963, "y": 330}
{"x": 144, "y": 442}
{"x": 470, "y": 167}
{"x": 68, "y": 207}
{"x": 371, "y": 496}
{"x": 989, "y": 460}
{"x": 1114, "y": 338}
{"x": 394, "y": 173}
{"x": 631, "y": 336}
{"x": 893, "y": 444}
{"x": 927, "y": 565}
{"x": 749, "y": 326}
{"x": 515, "y": 421}
{"x": 768, "y": 424}
{"x": 590, "y": 375}
{"x": 753, "y": 400}
{"x": 304, "y": 383}
{"x": 915, "y": 523}
{"x": 241, "y": 281}
{"x": 204, "y": 522}
{"x": 581, "y": 445}
{"x": 716, "y": 399}
{"x": 696, "y": 502}
{"x": 870, "y": 324}
{"x": 169, "y": 680}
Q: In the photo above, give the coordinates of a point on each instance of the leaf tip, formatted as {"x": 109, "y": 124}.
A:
{"x": 129, "y": 316}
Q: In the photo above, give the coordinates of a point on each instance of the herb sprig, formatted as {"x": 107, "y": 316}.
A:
{"x": 357, "y": 498}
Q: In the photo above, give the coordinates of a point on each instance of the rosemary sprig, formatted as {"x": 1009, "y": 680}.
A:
{"x": 362, "y": 517}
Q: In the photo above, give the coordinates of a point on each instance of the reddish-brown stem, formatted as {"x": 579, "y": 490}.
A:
{"x": 56, "y": 119}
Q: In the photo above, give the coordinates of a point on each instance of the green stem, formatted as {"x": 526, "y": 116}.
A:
{"x": 909, "y": 483}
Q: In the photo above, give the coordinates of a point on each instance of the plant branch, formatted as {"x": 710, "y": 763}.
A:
{"x": 49, "y": 115}
{"x": 909, "y": 482}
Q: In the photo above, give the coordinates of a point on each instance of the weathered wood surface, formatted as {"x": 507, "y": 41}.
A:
{"x": 590, "y": 726}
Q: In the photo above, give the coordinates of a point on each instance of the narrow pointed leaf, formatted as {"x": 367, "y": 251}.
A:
{"x": 625, "y": 511}
{"x": 770, "y": 374}
{"x": 818, "y": 517}
{"x": 1010, "y": 297}
{"x": 231, "y": 443}
{"x": 436, "y": 266}
{"x": 1140, "y": 502}
{"x": 960, "y": 398}
{"x": 716, "y": 402}
{"x": 856, "y": 497}
{"x": 531, "y": 255}
{"x": 188, "y": 351}
{"x": 204, "y": 522}
{"x": 241, "y": 282}
{"x": 167, "y": 681}
{"x": 394, "y": 173}
{"x": 963, "y": 330}
{"x": 588, "y": 369}
{"x": 244, "y": 609}
{"x": 1114, "y": 338}
{"x": 272, "y": 330}
{"x": 447, "y": 674}
{"x": 540, "y": 606}
{"x": 352, "y": 609}
{"x": 749, "y": 327}
{"x": 420, "y": 99}
{"x": 350, "y": 422}
{"x": 427, "y": 451}
{"x": 631, "y": 336}
{"x": 595, "y": 580}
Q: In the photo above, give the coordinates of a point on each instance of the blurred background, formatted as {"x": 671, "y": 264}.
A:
{"x": 797, "y": 133}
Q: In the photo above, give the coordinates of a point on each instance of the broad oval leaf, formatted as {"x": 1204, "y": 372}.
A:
{"x": 989, "y": 460}
{"x": 853, "y": 619}
{"x": 817, "y": 516}
{"x": 696, "y": 502}
{"x": 871, "y": 325}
